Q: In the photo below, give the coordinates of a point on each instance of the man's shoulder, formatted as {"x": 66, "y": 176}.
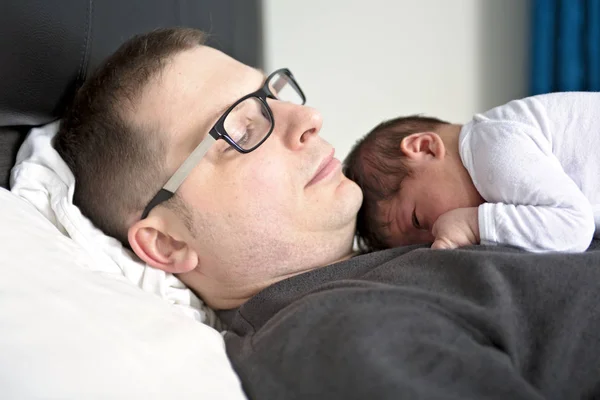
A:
{"x": 398, "y": 310}
{"x": 407, "y": 272}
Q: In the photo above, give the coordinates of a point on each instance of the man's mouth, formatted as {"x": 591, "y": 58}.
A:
{"x": 327, "y": 165}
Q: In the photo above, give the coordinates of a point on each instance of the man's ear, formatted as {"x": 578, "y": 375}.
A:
{"x": 423, "y": 145}
{"x": 161, "y": 247}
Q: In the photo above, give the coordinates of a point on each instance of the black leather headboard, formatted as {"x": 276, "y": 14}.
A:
{"x": 48, "y": 47}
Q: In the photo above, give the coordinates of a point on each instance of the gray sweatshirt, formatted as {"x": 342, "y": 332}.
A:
{"x": 414, "y": 323}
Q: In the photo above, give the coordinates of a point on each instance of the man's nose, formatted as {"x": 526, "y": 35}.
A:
{"x": 295, "y": 124}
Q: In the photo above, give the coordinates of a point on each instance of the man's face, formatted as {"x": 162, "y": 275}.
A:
{"x": 261, "y": 216}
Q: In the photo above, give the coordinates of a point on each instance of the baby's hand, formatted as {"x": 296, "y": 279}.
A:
{"x": 456, "y": 228}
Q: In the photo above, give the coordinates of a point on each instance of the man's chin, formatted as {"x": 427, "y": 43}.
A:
{"x": 355, "y": 195}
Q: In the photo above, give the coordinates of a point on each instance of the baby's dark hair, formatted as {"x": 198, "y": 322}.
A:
{"x": 376, "y": 163}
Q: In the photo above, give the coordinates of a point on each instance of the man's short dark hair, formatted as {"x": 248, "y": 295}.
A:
{"x": 119, "y": 164}
{"x": 376, "y": 163}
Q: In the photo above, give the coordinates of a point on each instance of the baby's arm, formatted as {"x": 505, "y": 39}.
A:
{"x": 531, "y": 202}
{"x": 456, "y": 228}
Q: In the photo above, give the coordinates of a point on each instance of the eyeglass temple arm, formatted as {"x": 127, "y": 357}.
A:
{"x": 161, "y": 196}
{"x": 179, "y": 176}
{"x": 188, "y": 165}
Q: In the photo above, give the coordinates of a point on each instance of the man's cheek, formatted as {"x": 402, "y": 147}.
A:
{"x": 269, "y": 178}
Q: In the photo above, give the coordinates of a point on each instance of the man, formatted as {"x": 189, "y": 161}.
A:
{"x": 228, "y": 194}
{"x": 215, "y": 172}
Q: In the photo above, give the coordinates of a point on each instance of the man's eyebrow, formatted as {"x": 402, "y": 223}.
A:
{"x": 223, "y": 109}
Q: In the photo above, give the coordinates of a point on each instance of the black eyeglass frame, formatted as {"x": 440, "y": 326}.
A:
{"x": 218, "y": 132}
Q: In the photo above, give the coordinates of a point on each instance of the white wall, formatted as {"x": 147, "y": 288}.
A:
{"x": 361, "y": 62}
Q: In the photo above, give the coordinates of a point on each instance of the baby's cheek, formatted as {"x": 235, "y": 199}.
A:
{"x": 441, "y": 205}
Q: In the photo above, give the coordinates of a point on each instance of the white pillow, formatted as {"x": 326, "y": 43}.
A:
{"x": 70, "y": 333}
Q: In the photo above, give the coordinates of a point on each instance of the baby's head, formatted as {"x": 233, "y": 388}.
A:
{"x": 402, "y": 169}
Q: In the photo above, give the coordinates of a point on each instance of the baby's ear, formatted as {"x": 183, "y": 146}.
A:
{"x": 422, "y": 146}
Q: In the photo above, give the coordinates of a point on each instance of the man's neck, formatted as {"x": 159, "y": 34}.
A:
{"x": 235, "y": 298}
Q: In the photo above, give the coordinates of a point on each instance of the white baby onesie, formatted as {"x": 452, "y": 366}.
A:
{"x": 536, "y": 162}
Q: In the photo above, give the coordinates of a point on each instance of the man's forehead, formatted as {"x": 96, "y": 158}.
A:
{"x": 212, "y": 70}
{"x": 195, "y": 87}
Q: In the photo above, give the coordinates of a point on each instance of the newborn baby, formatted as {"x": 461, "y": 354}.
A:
{"x": 525, "y": 174}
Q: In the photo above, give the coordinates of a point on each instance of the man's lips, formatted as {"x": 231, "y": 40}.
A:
{"x": 328, "y": 164}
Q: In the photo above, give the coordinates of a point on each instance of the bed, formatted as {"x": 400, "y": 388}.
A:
{"x": 79, "y": 316}
{"x": 70, "y": 327}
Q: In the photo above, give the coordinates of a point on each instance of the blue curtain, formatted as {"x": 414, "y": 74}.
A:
{"x": 565, "y": 47}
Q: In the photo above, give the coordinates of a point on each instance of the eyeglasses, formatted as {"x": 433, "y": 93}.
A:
{"x": 244, "y": 126}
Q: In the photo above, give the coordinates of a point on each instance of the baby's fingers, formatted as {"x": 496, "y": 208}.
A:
{"x": 443, "y": 243}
